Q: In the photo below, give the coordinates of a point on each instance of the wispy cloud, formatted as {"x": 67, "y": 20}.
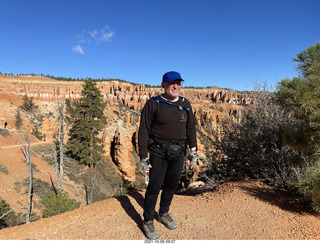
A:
{"x": 77, "y": 49}
{"x": 103, "y": 35}
{"x": 98, "y": 36}
{"x": 82, "y": 38}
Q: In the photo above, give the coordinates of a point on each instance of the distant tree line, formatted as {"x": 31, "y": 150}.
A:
{"x": 75, "y": 79}
{"x": 100, "y": 80}
{"x": 69, "y": 78}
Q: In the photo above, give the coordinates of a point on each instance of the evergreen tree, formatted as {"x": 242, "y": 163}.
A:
{"x": 28, "y": 104}
{"x": 58, "y": 203}
{"x": 87, "y": 117}
{"x": 309, "y": 62}
{"x": 8, "y": 217}
{"x": 300, "y": 98}
{"x": 18, "y": 121}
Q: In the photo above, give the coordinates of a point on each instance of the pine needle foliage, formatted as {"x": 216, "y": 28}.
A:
{"x": 28, "y": 104}
{"x": 309, "y": 185}
{"x": 8, "y": 217}
{"x": 18, "y": 119}
{"x": 309, "y": 62}
{"x": 87, "y": 120}
{"x": 57, "y": 203}
{"x": 300, "y": 97}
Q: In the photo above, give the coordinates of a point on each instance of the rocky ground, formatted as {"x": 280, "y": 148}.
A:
{"x": 234, "y": 211}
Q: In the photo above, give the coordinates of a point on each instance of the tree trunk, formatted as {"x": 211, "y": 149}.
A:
{"x": 61, "y": 145}
{"x": 56, "y": 163}
{"x": 25, "y": 141}
{"x": 61, "y": 136}
{"x": 91, "y": 154}
{"x": 93, "y": 184}
{"x": 30, "y": 189}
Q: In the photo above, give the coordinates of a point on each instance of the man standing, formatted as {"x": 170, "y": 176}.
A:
{"x": 167, "y": 127}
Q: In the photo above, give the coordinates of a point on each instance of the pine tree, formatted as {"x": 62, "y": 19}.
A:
{"x": 58, "y": 203}
{"x": 300, "y": 98}
{"x": 28, "y": 104}
{"x": 18, "y": 121}
{"x": 87, "y": 116}
{"x": 309, "y": 62}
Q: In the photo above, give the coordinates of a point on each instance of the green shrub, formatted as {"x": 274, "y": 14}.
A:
{"x": 309, "y": 185}
{"x": 255, "y": 147}
{"x": 17, "y": 186}
{"x": 40, "y": 188}
{"x": 3, "y": 169}
{"x": 36, "y": 133}
{"x": 46, "y": 151}
{"x": 10, "y": 218}
{"x": 4, "y": 132}
{"x": 55, "y": 204}
{"x": 104, "y": 179}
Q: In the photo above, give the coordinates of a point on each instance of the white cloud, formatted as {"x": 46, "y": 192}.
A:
{"x": 86, "y": 37}
{"x": 78, "y": 49}
{"x": 103, "y": 35}
{"x": 93, "y": 34}
{"x": 82, "y": 39}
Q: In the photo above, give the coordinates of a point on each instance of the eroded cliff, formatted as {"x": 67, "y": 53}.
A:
{"x": 125, "y": 102}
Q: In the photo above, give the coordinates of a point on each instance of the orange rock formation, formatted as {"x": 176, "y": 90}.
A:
{"x": 119, "y": 139}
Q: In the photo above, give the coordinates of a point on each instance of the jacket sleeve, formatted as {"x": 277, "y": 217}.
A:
{"x": 145, "y": 124}
{"x": 191, "y": 128}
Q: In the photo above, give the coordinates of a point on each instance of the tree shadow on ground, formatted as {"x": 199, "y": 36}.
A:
{"x": 280, "y": 198}
{"x": 130, "y": 209}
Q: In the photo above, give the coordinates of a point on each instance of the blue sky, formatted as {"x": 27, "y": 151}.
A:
{"x": 231, "y": 44}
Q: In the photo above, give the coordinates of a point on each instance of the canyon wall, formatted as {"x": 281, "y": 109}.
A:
{"x": 42, "y": 88}
{"x": 120, "y": 135}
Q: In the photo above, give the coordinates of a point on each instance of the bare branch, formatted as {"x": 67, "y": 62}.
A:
{"x": 6, "y": 213}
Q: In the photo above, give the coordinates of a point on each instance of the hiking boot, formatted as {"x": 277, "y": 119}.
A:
{"x": 149, "y": 230}
{"x": 168, "y": 221}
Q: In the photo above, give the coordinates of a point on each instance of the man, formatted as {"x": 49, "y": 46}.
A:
{"x": 167, "y": 127}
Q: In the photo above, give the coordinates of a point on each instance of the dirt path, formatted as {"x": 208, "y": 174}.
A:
{"x": 31, "y": 144}
{"x": 234, "y": 211}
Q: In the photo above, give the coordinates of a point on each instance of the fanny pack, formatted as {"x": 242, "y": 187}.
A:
{"x": 174, "y": 149}
{"x": 170, "y": 148}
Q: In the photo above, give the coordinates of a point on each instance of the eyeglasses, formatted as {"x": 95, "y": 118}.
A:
{"x": 177, "y": 82}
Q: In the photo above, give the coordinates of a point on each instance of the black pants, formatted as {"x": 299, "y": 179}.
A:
{"x": 166, "y": 172}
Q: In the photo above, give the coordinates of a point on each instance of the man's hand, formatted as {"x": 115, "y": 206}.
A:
{"x": 144, "y": 163}
{"x": 192, "y": 158}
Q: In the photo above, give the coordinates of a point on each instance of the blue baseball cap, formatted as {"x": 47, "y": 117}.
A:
{"x": 171, "y": 75}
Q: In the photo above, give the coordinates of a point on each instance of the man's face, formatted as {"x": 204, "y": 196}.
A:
{"x": 172, "y": 89}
